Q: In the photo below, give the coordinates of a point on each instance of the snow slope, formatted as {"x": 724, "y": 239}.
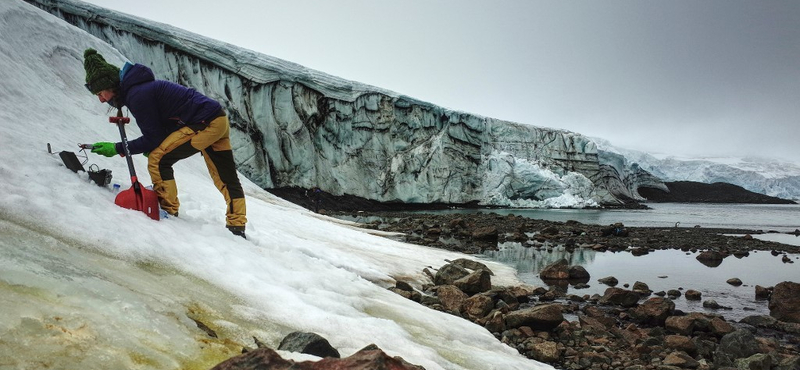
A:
{"x": 86, "y": 284}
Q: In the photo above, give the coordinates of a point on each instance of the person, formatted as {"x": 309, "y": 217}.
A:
{"x": 176, "y": 122}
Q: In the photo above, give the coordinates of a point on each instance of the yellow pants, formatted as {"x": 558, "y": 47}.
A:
{"x": 215, "y": 145}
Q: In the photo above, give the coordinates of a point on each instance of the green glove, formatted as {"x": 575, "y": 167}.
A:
{"x": 105, "y": 149}
{"x": 146, "y": 154}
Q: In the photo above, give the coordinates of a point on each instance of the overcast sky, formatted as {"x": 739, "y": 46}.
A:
{"x": 676, "y": 77}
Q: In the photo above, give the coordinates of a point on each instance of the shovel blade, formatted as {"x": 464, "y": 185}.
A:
{"x": 139, "y": 198}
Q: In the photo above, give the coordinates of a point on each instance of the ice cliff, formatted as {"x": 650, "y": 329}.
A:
{"x": 296, "y": 127}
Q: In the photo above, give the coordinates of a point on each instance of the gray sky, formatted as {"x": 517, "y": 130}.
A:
{"x": 677, "y": 77}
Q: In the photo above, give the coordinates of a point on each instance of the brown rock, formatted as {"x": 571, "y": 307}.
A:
{"x": 558, "y": 270}
{"x": 451, "y": 297}
{"x": 763, "y": 292}
{"x": 720, "y": 327}
{"x": 449, "y": 273}
{"x": 653, "y": 311}
{"x": 590, "y": 324}
{"x": 477, "y": 306}
{"x": 470, "y": 264}
{"x": 521, "y": 293}
{"x": 545, "y": 352}
{"x": 711, "y": 258}
{"x": 734, "y": 281}
{"x": 544, "y": 317}
{"x": 619, "y": 296}
{"x": 487, "y": 233}
{"x": 370, "y": 358}
{"x": 680, "y": 343}
{"x": 641, "y": 288}
{"x": 683, "y": 325}
{"x": 578, "y": 273}
{"x": 495, "y": 323}
{"x": 784, "y": 304}
{"x": 610, "y": 281}
{"x": 476, "y": 282}
{"x": 681, "y": 360}
{"x": 693, "y": 295}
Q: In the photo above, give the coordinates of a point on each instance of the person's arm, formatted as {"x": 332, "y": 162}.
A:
{"x": 144, "y": 109}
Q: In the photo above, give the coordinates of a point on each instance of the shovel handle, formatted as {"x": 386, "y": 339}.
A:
{"x": 119, "y": 120}
{"x": 121, "y": 126}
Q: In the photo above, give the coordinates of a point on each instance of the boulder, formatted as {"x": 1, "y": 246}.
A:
{"x": 763, "y": 292}
{"x": 683, "y": 325}
{"x": 653, "y": 311}
{"x": 546, "y": 351}
{"x": 681, "y": 360}
{"x": 476, "y": 282}
{"x": 711, "y": 258}
{"x": 542, "y": 318}
{"x": 734, "y": 281}
{"x": 693, "y": 295}
{"x": 558, "y": 270}
{"x": 760, "y": 321}
{"x": 578, "y": 273}
{"x": 487, "y": 234}
{"x": 719, "y": 327}
{"x": 674, "y": 293}
{"x": 521, "y": 293}
{"x": 610, "y": 281}
{"x": 619, "y": 296}
{"x": 308, "y": 343}
{"x": 495, "y": 322}
{"x": 477, "y": 307}
{"x": 784, "y": 304}
{"x": 369, "y": 358}
{"x": 451, "y": 297}
{"x": 449, "y": 273}
{"x": 680, "y": 343}
{"x": 735, "y": 345}
{"x": 642, "y": 289}
{"x": 471, "y": 265}
{"x": 759, "y": 361}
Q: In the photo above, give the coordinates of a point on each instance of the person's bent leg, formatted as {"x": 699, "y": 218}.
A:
{"x": 215, "y": 144}
{"x": 222, "y": 169}
{"x": 175, "y": 147}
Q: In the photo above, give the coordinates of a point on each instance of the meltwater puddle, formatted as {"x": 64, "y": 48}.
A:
{"x": 663, "y": 270}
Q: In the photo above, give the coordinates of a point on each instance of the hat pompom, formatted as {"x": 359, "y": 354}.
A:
{"x": 99, "y": 74}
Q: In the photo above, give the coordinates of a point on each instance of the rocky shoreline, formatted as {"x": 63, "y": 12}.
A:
{"x": 631, "y": 329}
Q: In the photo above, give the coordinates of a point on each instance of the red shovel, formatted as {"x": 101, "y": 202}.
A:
{"x": 137, "y": 197}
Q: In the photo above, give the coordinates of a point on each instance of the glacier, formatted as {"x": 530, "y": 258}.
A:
{"x": 773, "y": 177}
{"x": 297, "y": 127}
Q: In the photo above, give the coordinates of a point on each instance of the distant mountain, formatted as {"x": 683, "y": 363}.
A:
{"x": 698, "y": 192}
{"x": 771, "y": 177}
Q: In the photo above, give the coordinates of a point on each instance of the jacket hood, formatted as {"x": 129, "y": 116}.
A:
{"x": 132, "y": 75}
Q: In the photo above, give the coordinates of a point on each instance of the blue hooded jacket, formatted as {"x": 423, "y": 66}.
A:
{"x": 160, "y": 107}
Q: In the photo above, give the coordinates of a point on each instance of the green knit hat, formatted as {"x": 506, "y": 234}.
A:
{"x": 99, "y": 74}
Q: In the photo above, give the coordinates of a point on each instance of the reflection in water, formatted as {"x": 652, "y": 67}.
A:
{"x": 661, "y": 270}
{"x": 710, "y": 263}
{"x": 533, "y": 260}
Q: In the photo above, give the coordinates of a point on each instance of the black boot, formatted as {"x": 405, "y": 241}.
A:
{"x": 237, "y": 230}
